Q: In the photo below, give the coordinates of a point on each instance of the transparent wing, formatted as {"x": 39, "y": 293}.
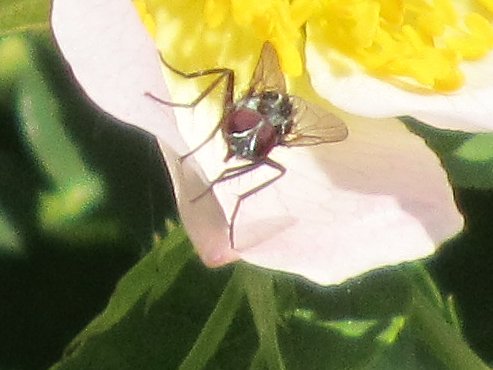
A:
{"x": 314, "y": 125}
{"x": 268, "y": 75}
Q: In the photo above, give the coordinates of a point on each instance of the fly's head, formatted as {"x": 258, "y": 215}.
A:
{"x": 248, "y": 134}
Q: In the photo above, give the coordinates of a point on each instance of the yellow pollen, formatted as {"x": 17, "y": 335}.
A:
{"x": 413, "y": 40}
{"x": 279, "y": 21}
{"x": 416, "y": 42}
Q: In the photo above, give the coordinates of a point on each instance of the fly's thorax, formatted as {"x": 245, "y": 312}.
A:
{"x": 276, "y": 107}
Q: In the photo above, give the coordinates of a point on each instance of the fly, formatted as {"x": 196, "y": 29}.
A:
{"x": 264, "y": 117}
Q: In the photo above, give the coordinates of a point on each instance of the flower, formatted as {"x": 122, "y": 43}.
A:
{"x": 341, "y": 209}
{"x": 429, "y": 58}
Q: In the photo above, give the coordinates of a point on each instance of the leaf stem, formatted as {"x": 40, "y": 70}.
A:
{"x": 216, "y": 326}
{"x": 259, "y": 286}
{"x": 442, "y": 338}
{"x": 430, "y": 316}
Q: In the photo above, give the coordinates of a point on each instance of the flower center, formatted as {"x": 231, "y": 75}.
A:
{"x": 278, "y": 21}
{"x": 422, "y": 42}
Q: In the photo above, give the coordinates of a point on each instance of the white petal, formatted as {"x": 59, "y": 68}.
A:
{"x": 115, "y": 61}
{"x": 379, "y": 198}
{"x": 356, "y": 92}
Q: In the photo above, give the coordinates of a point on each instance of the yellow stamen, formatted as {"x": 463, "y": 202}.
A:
{"x": 215, "y": 11}
{"x": 278, "y": 21}
{"x": 422, "y": 42}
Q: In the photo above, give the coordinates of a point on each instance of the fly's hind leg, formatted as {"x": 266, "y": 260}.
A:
{"x": 223, "y": 74}
{"x": 228, "y": 174}
{"x": 242, "y": 197}
{"x": 233, "y": 172}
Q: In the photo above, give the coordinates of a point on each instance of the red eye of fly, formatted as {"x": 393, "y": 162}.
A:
{"x": 267, "y": 138}
{"x": 242, "y": 120}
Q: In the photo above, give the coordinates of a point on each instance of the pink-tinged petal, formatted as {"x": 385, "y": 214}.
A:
{"x": 344, "y": 84}
{"x": 378, "y": 198}
{"x": 115, "y": 61}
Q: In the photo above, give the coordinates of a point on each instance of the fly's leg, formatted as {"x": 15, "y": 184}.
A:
{"x": 224, "y": 74}
{"x": 227, "y": 174}
{"x": 233, "y": 172}
{"x": 242, "y": 197}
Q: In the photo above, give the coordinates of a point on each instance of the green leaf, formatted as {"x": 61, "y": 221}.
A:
{"x": 471, "y": 164}
{"x": 62, "y": 210}
{"x": 171, "y": 312}
{"x": 434, "y": 322}
{"x": 10, "y": 240}
{"x": 259, "y": 287}
{"x": 156, "y": 314}
{"x": 479, "y": 148}
{"x": 373, "y": 322}
{"x": 76, "y": 191}
{"x": 216, "y": 327}
{"x": 468, "y": 158}
{"x": 24, "y": 15}
{"x": 405, "y": 354}
{"x": 14, "y": 54}
{"x": 350, "y": 342}
{"x": 168, "y": 257}
{"x": 442, "y": 338}
{"x": 42, "y": 125}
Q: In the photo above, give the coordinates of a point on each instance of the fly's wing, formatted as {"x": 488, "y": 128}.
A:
{"x": 314, "y": 125}
{"x": 268, "y": 75}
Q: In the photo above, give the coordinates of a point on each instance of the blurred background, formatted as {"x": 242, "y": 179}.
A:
{"x": 83, "y": 197}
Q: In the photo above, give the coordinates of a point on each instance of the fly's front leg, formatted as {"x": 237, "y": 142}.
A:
{"x": 224, "y": 74}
